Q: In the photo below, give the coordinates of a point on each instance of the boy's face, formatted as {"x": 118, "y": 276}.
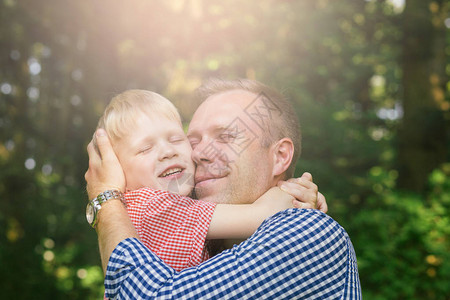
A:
{"x": 157, "y": 154}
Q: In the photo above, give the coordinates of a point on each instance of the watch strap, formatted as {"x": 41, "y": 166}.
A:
{"x": 95, "y": 204}
{"x": 109, "y": 194}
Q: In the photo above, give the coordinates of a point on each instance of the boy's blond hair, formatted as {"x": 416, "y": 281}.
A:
{"x": 121, "y": 114}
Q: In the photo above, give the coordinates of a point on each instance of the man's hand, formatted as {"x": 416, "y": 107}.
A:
{"x": 305, "y": 191}
{"x": 105, "y": 171}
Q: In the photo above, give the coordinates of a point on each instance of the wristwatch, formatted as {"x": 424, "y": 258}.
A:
{"x": 95, "y": 205}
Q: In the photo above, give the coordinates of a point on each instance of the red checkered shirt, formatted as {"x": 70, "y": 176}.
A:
{"x": 172, "y": 226}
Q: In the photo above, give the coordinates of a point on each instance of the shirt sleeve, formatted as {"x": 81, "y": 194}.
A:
{"x": 294, "y": 254}
{"x": 172, "y": 226}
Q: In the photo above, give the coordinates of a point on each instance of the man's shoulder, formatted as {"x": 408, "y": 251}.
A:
{"x": 301, "y": 217}
{"x": 306, "y": 244}
{"x": 301, "y": 225}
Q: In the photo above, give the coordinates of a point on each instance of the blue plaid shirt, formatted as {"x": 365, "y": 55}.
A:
{"x": 295, "y": 254}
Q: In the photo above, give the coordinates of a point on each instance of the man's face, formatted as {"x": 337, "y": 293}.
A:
{"x": 156, "y": 154}
{"x": 232, "y": 165}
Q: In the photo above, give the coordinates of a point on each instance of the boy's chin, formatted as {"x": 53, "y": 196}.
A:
{"x": 180, "y": 189}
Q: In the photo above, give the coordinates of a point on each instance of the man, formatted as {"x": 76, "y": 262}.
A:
{"x": 245, "y": 139}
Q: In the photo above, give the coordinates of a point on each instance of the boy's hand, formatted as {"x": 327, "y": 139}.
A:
{"x": 105, "y": 171}
{"x": 305, "y": 191}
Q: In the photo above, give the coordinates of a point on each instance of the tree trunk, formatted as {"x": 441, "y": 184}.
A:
{"x": 421, "y": 136}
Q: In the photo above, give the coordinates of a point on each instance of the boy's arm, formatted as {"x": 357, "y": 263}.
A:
{"x": 241, "y": 221}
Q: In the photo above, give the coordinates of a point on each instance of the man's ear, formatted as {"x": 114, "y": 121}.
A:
{"x": 283, "y": 151}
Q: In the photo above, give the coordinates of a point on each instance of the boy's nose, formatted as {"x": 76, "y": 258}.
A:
{"x": 167, "y": 151}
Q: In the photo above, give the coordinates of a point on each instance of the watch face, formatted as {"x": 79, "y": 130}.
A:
{"x": 90, "y": 213}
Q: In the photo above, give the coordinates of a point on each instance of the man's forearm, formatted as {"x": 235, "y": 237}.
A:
{"x": 114, "y": 225}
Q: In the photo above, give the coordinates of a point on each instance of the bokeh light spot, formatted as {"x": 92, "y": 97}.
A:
{"x": 30, "y": 164}
{"x": 49, "y": 255}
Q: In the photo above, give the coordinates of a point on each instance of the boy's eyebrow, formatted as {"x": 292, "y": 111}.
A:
{"x": 143, "y": 141}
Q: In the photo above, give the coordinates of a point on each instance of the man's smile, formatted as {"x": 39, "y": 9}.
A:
{"x": 201, "y": 180}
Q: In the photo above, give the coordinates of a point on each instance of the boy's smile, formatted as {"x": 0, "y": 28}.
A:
{"x": 171, "y": 172}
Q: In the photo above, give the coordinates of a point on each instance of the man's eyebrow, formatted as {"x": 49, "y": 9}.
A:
{"x": 193, "y": 135}
{"x": 222, "y": 128}
{"x": 214, "y": 130}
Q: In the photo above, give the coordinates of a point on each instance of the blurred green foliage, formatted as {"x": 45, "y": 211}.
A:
{"x": 368, "y": 78}
{"x": 403, "y": 240}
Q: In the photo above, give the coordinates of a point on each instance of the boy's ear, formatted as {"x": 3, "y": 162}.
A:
{"x": 283, "y": 151}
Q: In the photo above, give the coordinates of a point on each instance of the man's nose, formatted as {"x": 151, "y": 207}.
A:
{"x": 203, "y": 151}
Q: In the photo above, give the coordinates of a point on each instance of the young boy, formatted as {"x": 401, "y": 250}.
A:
{"x": 147, "y": 135}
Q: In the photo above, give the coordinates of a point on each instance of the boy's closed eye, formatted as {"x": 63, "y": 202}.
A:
{"x": 145, "y": 149}
{"x": 176, "y": 139}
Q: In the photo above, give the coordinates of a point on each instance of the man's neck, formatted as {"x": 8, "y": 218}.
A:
{"x": 228, "y": 244}
{"x": 214, "y": 247}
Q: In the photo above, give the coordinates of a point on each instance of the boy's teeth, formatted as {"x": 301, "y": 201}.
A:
{"x": 171, "y": 171}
